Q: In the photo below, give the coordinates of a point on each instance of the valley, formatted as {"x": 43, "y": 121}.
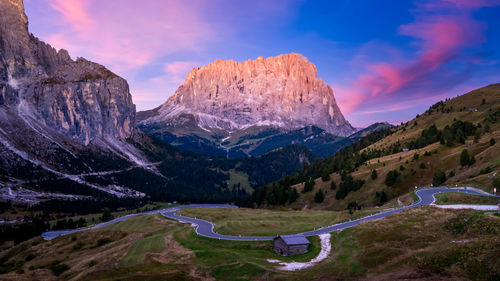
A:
{"x": 203, "y": 146}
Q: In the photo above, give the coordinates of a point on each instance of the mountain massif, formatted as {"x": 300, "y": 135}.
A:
{"x": 234, "y": 106}
{"x": 68, "y": 132}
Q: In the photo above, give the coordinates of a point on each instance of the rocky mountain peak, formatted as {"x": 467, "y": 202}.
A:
{"x": 282, "y": 91}
{"x": 79, "y": 99}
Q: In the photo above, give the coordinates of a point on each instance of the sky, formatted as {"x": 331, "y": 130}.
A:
{"x": 385, "y": 60}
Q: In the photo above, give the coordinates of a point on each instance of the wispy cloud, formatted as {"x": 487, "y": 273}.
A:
{"x": 129, "y": 34}
{"x": 441, "y": 31}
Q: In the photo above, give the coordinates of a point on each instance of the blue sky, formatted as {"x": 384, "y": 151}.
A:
{"x": 385, "y": 60}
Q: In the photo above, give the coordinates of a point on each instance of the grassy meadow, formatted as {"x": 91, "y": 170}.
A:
{"x": 264, "y": 222}
{"x": 460, "y": 198}
{"x": 422, "y": 243}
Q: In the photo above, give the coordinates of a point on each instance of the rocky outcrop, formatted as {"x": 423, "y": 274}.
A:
{"x": 79, "y": 99}
{"x": 282, "y": 91}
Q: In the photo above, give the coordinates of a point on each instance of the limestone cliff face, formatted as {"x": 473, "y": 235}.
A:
{"x": 281, "y": 91}
{"x": 80, "y": 99}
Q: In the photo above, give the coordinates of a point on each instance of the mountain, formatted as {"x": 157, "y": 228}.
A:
{"x": 69, "y": 141}
{"x": 453, "y": 143}
{"x": 79, "y": 99}
{"x": 223, "y": 103}
{"x": 68, "y": 132}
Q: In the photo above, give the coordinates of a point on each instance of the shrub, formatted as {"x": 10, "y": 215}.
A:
{"x": 392, "y": 177}
{"x": 486, "y": 170}
{"x": 104, "y": 241}
{"x": 57, "y": 267}
{"x": 92, "y": 263}
{"x": 492, "y": 141}
{"x": 374, "y": 174}
{"x": 451, "y": 174}
{"x": 439, "y": 178}
{"x": 401, "y": 168}
{"x": 415, "y": 156}
{"x": 106, "y": 215}
{"x": 333, "y": 185}
{"x": 422, "y": 165}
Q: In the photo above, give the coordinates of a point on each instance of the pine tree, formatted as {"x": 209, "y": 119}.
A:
{"x": 319, "y": 196}
{"x": 464, "y": 158}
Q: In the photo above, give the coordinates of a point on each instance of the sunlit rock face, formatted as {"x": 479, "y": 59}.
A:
{"x": 281, "y": 91}
{"x": 80, "y": 99}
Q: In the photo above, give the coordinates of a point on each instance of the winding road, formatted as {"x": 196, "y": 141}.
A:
{"x": 206, "y": 228}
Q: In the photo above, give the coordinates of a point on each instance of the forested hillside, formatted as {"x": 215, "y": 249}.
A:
{"x": 453, "y": 142}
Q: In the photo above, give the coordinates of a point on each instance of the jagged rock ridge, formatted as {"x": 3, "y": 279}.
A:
{"x": 80, "y": 99}
{"x": 225, "y": 96}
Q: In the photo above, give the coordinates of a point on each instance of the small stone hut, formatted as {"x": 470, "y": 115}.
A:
{"x": 288, "y": 245}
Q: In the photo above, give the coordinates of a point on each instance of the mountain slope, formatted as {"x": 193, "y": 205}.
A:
{"x": 426, "y": 150}
{"x": 221, "y": 103}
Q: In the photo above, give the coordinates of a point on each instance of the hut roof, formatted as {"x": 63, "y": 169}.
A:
{"x": 294, "y": 239}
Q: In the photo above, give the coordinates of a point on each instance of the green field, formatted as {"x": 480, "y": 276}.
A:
{"x": 422, "y": 243}
{"x": 263, "y": 222}
{"x": 460, "y": 198}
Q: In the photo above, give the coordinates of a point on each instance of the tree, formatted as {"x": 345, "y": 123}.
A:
{"x": 496, "y": 183}
{"x": 472, "y": 160}
{"x": 374, "y": 174}
{"x": 422, "y": 165}
{"x": 106, "y": 215}
{"x": 451, "y": 174}
{"x": 464, "y": 158}
{"x": 325, "y": 176}
{"x": 392, "y": 177}
{"x": 415, "y": 156}
{"x": 308, "y": 185}
{"x": 492, "y": 142}
{"x": 319, "y": 196}
{"x": 439, "y": 178}
{"x": 333, "y": 185}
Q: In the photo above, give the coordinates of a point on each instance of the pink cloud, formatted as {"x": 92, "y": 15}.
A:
{"x": 439, "y": 37}
{"x": 126, "y": 35}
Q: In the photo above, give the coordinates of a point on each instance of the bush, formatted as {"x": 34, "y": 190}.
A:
{"x": 439, "y": 178}
{"x": 104, "y": 241}
{"x": 486, "y": 170}
{"x": 401, "y": 168}
{"x": 333, "y": 185}
{"x": 392, "y": 177}
{"x": 415, "y": 156}
{"x": 106, "y": 215}
{"x": 92, "y": 263}
{"x": 422, "y": 165}
{"x": 451, "y": 174}
{"x": 492, "y": 141}
{"x": 319, "y": 196}
{"x": 374, "y": 174}
{"x": 57, "y": 267}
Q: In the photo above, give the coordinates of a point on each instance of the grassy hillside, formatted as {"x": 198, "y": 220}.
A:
{"x": 264, "y": 222}
{"x": 423, "y": 151}
{"x": 424, "y": 243}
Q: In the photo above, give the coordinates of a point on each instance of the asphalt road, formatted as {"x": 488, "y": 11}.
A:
{"x": 206, "y": 228}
